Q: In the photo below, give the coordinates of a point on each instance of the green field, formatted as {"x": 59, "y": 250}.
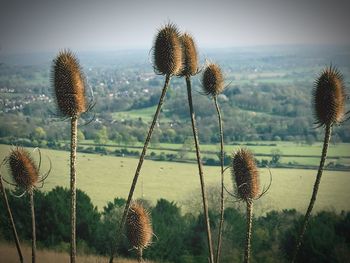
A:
{"x": 146, "y": 114}
{"x": 302, "y": 154}
{"x": 106, "y": 177}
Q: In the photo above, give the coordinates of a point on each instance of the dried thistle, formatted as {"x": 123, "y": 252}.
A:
{"x": 245, "y": 174}
{"x": 69, "y": 84}
{"x": 25, "y": 174}
{"x": 189, "y": 55}
{"x": 213, "y": 80}
{"x": 167, "y": 50}
{"x": 329, "y": 103}
{"x": 23, "y": 169}
{"x": 329, "y": 97}
{"x": 139, "y": 228}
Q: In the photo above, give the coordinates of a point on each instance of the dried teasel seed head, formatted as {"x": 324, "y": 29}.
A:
{"x": 22, "y": 168}
{"x": 245, "y": 174}
{"x": 69, "y": 84}
{"x": 138, "y": 227}
{"x": 213, "y": 81}
{"x": 189, "y": 56}
{"x": 167, "y": 51}
{"x": 329, "y": 97}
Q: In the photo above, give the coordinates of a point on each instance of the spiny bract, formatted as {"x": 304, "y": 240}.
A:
{"x": 167, "y": 51}
{"x": 189, "y": 56}
{"x": 69, "y": 84}
{"x": 138, "y": 227}
{"x": 329, "y": 97}
{"x": 22, "y": 168}
{"x": 245, "y": 174}
{"x": 213, "y": 81}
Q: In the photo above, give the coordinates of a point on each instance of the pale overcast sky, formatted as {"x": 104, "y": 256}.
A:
{"x": 44, "y": 25}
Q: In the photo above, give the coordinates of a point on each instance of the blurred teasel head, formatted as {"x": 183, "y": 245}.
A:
{"x": 69, "y": 84}
{"x": 189, "y": 56}
{"x": 167, "y": 52}
{"x": 329, "y": 97}
{"x": 212, "y": 80}
{"x": 245, "y": 174}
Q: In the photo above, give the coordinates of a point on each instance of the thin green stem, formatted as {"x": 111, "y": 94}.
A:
{"x": 249, "y": 231}
{"x": 327, "y": 137}
{"x": 10, "y": 217}
{"x": 73, "y": 186}
{"x": 139, "y": 166}
{"x": 31, "y": 196}
{"x": 200, "y": 169}
{"x": 218, "y": 251}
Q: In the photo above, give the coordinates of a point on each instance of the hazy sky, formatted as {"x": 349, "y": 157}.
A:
{"x": 44, "y": 25}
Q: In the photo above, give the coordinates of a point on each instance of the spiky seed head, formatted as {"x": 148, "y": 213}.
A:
{"x": 213, "y": 80}
{"x": 245, "y": 174}
{"x": 22, "y": 168}
{"x": 189, "y": 56}
{"x": 138, "y": 226}
{"x": 167, "y": 50}
{"x": 329, "y": 97}
{"x": 69, "y": 84}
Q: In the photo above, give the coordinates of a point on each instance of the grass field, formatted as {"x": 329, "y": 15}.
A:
{"x": 8, "y": 254}
{"x": 146, "y": 114}
{"x": 106, "y": 177}
{"x": 302, "y": 154}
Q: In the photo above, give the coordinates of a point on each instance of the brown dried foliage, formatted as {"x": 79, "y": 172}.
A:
{"x": 167, "y": 51}
{"x": 138, "y": 227}
{"x": 213, "y": 80}
{"x": 245, "y": 174}
{"x": 189, "y": 56}
{"x": 329, "y": 97}
{"x": 22, "y": 168}
{"x": 69, "y": 84}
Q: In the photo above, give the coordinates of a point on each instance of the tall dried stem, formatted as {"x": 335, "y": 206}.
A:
{"x": 218, "y": 251}
{"x": 328, "y": 131}
{"x": 142, "y": 157}
{"x": 200, "y": 169}
{"x": 10, "y": 217}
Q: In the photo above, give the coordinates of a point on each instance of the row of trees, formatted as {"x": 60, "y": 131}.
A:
{"x": 180, "y": 238}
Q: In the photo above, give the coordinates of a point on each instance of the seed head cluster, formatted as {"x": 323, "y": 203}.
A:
{"x": 329, "y": 97}
{"x": 138, "y": 227}
{"x": 167, "y": 51}
{"x": 69, "y": 84}
{"x": 22, "y": 168}
{"x": 189, "y": 56}
{"x": 213, "y": 80}
{"x": 245, "y": 174}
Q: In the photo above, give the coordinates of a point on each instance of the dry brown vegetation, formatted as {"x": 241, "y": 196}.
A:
{"x": 8, "y": 254}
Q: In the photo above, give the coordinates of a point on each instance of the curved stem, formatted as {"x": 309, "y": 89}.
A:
{"x": 10, "y": 217}
{"x": 327, "y": 138}
{"x": 31, "y": 196}
{"x": 73, "y": 186}
{"x": 200, "y": 169}
{"x": 249, "y": 231}
{"x": 218, "y": 251}
{"x": 142, "y": 157}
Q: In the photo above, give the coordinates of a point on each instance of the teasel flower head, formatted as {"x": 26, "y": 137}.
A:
{"x": 138, "y": 227}
{"x": 189, "y": 56}
{"x": 212, "y": 80}
{"x": 25, "y": 173}
{"x": 329, "y": 97}
{"x": 167, "y": 51}
{"x": 69, "y": 84}
{"x": 245, "y": 174}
